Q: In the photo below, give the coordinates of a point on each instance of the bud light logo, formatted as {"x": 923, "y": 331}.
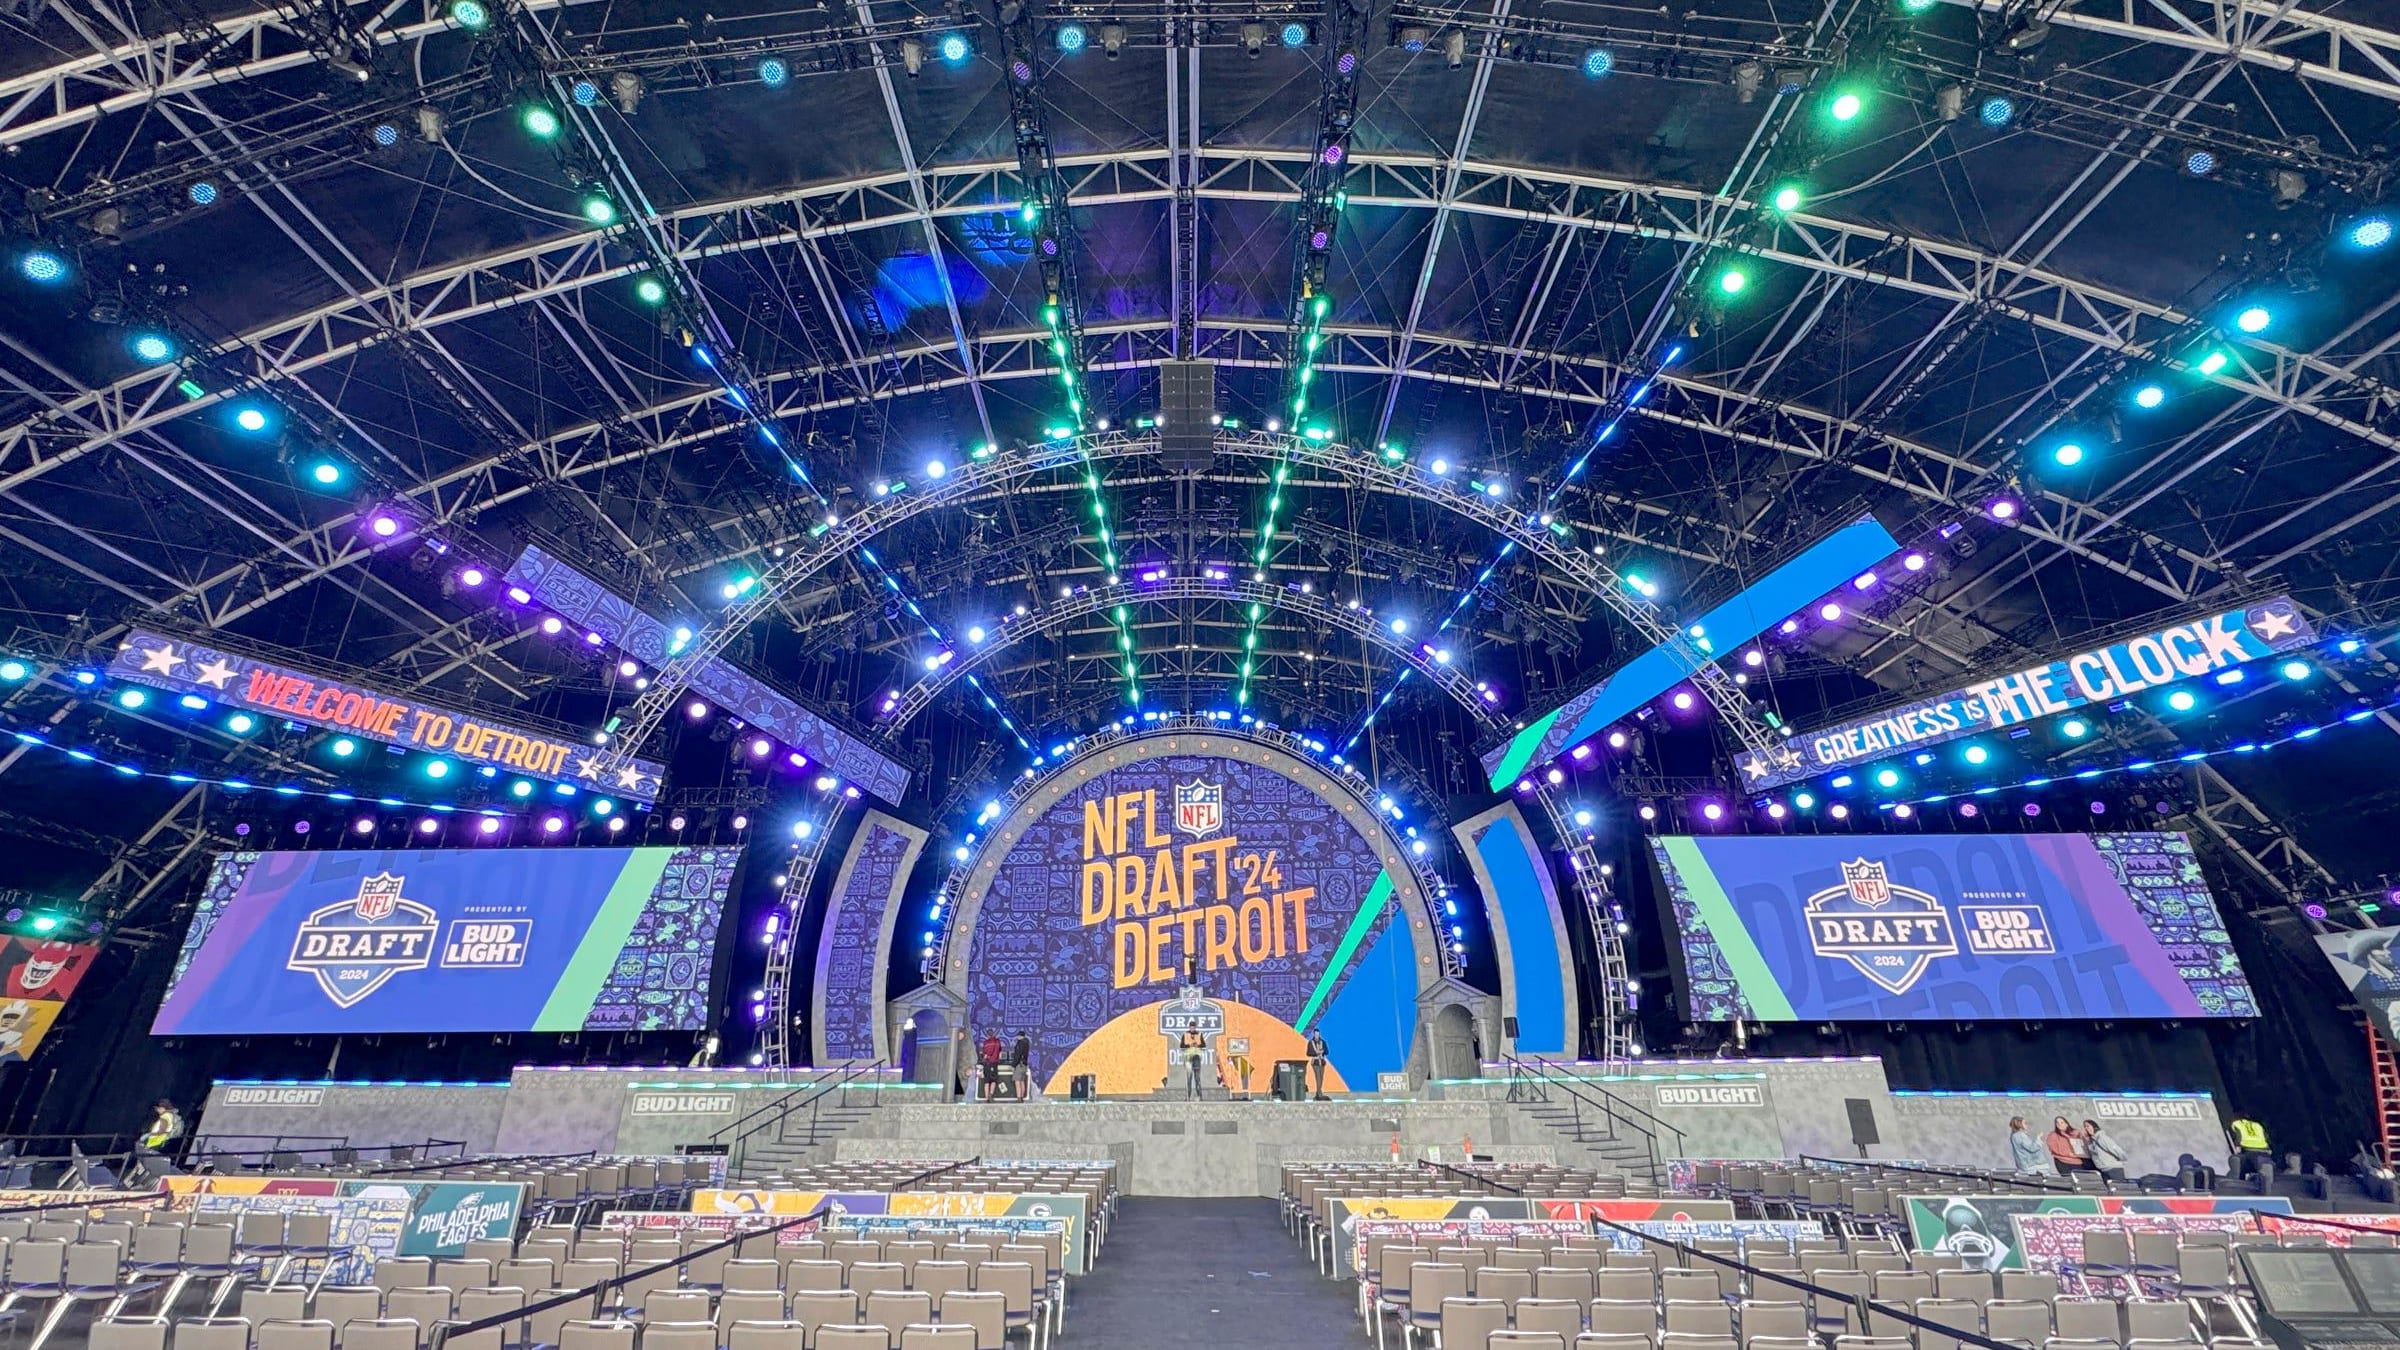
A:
{"x": 354, "y": 946}
{"x": 1890, "y": 933}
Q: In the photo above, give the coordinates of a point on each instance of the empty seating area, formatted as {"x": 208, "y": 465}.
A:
{"x": 1307, "y": 1189}
{"x": 1096, "y": 1182}
{"x": 1865, "y": 1198}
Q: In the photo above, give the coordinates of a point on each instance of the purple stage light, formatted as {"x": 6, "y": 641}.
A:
{"x": 1580, "y": 753}
{"x": 1865, "y": 582}
{"x": 760, "y": 747}
{"x": 1346, "y": 62}
{"x": 1319, "y": 240}
{"x": 428, "y": 825}
{"x": 1682, "y": 700}
{"x": 796, "y": 760}
{"x": 2032, "y": 809}
{"x": 1969, "y": 809}
{"x": 553, "y": 824}
{"x": 593, "y": 639}
{"x": 1754, "y": 658}
{"x": 470, "y": 576}
{"x": 1020, "y": 70}
{"x": 1049, "y": 247}
{"x": 552, "y": 626}
{"x": 519, "y": 595}
{"x": 1788, "y": 627}
{"x": 628, "y": 669}
{"x": 2099, "y": 807}
{"x": 1333, "y": 153}
{"x": 1616, "y": 740}
{"x": 300, "y": 827}
{"x": 2001, "y": 508}
{"x": 2313, "y": 910}
{"x": 490, "y": 825}
{"x": 242, "y": 829}
{"x": 1556, "y": 776}
{"x": 1712, "y": 811}
{"x": 365, "y": 825}
{"x": 384, "y": 527}
{"x": 1524, "y": 785}
{"x": 1904, "y": 811}
{"x": 1648, "y": 813}
{"x": 1914, "y": 562}
{"x": 695, "y": 710}
{"x": 741, "y": 822}
{"x": 1830, "y": 612}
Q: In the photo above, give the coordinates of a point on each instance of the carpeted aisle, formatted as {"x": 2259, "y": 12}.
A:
{"x": 1207, "y": 1273}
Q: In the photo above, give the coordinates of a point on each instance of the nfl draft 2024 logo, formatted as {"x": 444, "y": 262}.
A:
{"x": 1891, "y": 933}
{"x": 353, "y": 946}
{"x": 1199, "y": 808}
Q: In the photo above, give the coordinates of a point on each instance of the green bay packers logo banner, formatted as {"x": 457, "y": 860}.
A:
{"x": 2177, "y": 652}
{"x": 181, "y": 666}
{"x": 1947, "y": 928}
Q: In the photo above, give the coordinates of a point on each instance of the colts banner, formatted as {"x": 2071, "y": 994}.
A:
{"x": 1830, "y": 562}
{"x": 2200, "y": 647}
{"x": 618, "y": 939}
{"x": 2016, "y": 927}
{"x": 184, "y": 667}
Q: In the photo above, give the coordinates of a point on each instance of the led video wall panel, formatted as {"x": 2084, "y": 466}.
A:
{"x": 1947, "y": 928}
{"x": 619, "y": 939}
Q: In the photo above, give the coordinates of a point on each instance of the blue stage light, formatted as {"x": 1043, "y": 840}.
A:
{"x": 2254, "y": 319}
{"x": 954, "y": 48}
{"x": 2200, "y": 163}
{"x": 241, "y": 724}
{"x": 2297, "y": 670}
{"x": 326, "y": 473}
{"x": 2075, "y": 728}
{"x": 773, "y": 72}
{"x": 344, "y": 747}
{"x": 1071, "y": 37}
{"x": 1598, "y": 62}
{"x": 1976, "y": 754}
{"x": 585, "y": 92}
{"x": 520, "y": 788}
{"x": 2370, "y": 232}
{"x": 2068, "y": 454}
{"x": 131, "y": 698}
{"x": 2149, "y": 396}
{"x": 384, "y": 134}
{"x": 152, "y": 347}
{"x": 1295, "y": 34}
{"x": 1887, "y": 778}
{"x": 250, "y": 418}
{"x": 1998, "y": 111}
{"x": 2182, "y": 700}
{"x": 42, "y": 266}
{"x": 202, "y": 192}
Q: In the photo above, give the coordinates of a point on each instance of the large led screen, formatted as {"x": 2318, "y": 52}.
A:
{"x": 617, "y": 939}
{"x": 1947, "y": 928}
{"x": 1093, "y": 911}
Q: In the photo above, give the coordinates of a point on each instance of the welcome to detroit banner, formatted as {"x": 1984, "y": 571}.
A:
{"x": 2118, "y": 670}
{"x": 618, "y": 939}
{"x": 2015, "y": 927}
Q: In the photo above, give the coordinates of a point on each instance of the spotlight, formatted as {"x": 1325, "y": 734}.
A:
{"x": 1969, "y": 810}
{"x": 437, "y": 768}
{"x": 41, "y": 266}
{"x": 2369, "y": 232}
{"x": 1830, "y": 612}
{"x": 585, "y": 91}
{"x": 2213, "y": 362}
{"x": 540, "y": 121}
{"x": 428, "y": 825}
{"x": 365, "y": 825}
{"x": 1413, "y": 37}
{"x": 2075, "y": 728}
{"x": 599, "y": 210}
{"x": 1805, "y": 801}
{"x": 326, "y": 473}
{"x": 1295, "y": 34}
{"x": 343, "y": 747}
{"x": 1950, "y": 102}
{"x": 1788, "y": 198}
{"x": 2253, "y": 320}
{"x": 2181, "y": 700}
{"x": 384, "y": 527}
{"x": 1997, "y": 111}
{"x": 1887, "y": 778}
{"x": 470, "y": 15}
{"x": 470, "y": 577}
{"x": 627, "y": 89}
{"x": 131, "y": 698}
{"x": 489, "y": 825}
{"x": 432, "y": 124}
{"x": 2001, "y": 508}
{"x": 2200, "y": 163}
{"x": 1914, "y": 562}
{"x": 1733, "y": 280}
{"x": 1112, "y": 40}
{"x": 2028, "y": 35}
{"x": 773, "y": 72}
{"x": 1713, "y": 811}
{"x": 2290, "y": 186}
{"x": 153, "y": 347}
{"x": 13, "y": 671}
{"x": 2068, "y": 454}
{"x": 1976, "y": 754}
{"x": 384, "y": 135}
{"x": 1748, "y": 78}
{"x": 250, "y": 418}
{"x": 912, "y": 57}
{"x": 2297, "y": 670}
{"x": 1598, "y": 62}
{"x": 553, "y": 824}
{"x": 1454, "y": 47}
{"x": 1903, "y": 811}
{"x": 201, "y": 192}
{"x": 2149, "y": 396}
{"x": 954, "y": 48}
{"x": 1839, "y": 812}
{"x": 1072, "y": 38}
{"x": 1847, "y": 105}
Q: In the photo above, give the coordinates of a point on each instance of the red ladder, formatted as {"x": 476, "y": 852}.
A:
{"x": 2387, "y": 1092}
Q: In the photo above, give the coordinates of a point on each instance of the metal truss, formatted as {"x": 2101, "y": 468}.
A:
{"x": 783, "y": 940}
{"x": 2267, "y": 33}
{"x": 1213, "y": 586}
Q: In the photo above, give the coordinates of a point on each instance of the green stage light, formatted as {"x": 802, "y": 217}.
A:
{"x": 44, "y": 923}
{"x": 1733, "y": 280}
{"x": 540, "y": 121}
{"x": 1788, "y": 198}
{"x": 650, "y": 291}
{"x": 599, "y": 210}
{"x": 1847, "y": 105}
{"x": 471, "y": 15}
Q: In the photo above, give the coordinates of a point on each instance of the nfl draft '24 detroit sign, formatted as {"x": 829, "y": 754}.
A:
{"x": 2180, "y": 652}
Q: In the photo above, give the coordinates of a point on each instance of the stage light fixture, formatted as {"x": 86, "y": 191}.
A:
{"x": 1598, "y": 62}
{"x": 1997, "y": 111}
{"x": 384, "y": 135}
{"x": 599, "y": 210}
{"x": 774, "y": 72}
{"x": 1804, "y": 801}
{"x": 1976, "y": 754}
{"x": 1914, "y": 562}
{"x": 1295, "y": 34}
{"x": 1788, "y": 198}
{"x": 1830, "y": 612}
{"x": 1414, "y": 37}
{"x": 2149, "y": 396}
{"x": 1950, "y": 102}
{"x": 432, "y": 124}
{"x": 1917, "y": 6}
{"x": 1733, "y": 280}
{"x": 343, "y": 747}
{"x": 471, "y": 15}
{"x": 326, "y": 473}
{"x": 2200, "y": 163}
{"x": 2028, "y": 35}
{"x": 201, "y": 192}
{"x": 2253, "y": 319}
{"x": 2369, "y": 232}
{"x": 1072, "y": 38}
{"x": 2297, "y": 670}
{"x": 2182, "y": 700}
{"x": 954, "y": 48}
{"x": 650, "y": 291}
{"x": 14, "y": 671}
{"x": 1887, "y": 778}
{"x": 1748, "y": 78}
{"x": 2068, "y": 454}
{"x": 540, "y": 121}
{"x": 41, "y": 266}
{"x": 250, "y": 418}
{"x": 152, "y": 347}
{"x": 437, "y": 768}
{"x": 131, "y": 698}
{"x": 1454, "y": 47}
{"x": 241, "y": 724}
{"x": 1846, "y": 106}
{"x": 585, "y": 91}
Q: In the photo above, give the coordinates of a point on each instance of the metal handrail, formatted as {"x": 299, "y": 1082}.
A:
{"x": 2031, "y": 1180}
{"x": 783, "y": 1107}
{"x": 1612, "y": 1107}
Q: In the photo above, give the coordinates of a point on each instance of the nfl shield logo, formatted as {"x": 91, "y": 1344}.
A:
{"x": 1199, "y": 808}
{"x": 1867, "y": 883}
{"x": 377, "y": 894}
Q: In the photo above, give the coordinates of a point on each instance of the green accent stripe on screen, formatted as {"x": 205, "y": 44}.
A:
{"x": 1521, "y": 749}
{"x": 1757, "y": 983}
{"x": 1369, "y": 910}
{"x": 587, "y": 970}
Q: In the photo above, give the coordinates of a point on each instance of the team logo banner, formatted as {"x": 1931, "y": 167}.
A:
{"x": 2369, "y": 966}
{"x": 2104, "y": 674}
{"x": 36, "y": 978}
{"x": 1980, "y": 1229}
{"x": 1947, "y": 927}
{"x": 181, "y": 666}
{"x": 451, "y": 940}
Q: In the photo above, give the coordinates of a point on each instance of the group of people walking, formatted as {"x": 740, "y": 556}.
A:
{"x": 2065, "y": 1149}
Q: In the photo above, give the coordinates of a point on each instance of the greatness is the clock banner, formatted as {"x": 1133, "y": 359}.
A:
{"x": 181, "y": 666}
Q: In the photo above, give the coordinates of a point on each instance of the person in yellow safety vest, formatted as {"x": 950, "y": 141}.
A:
{"x": 165, "y": 1128}
{"x": 2249, "y": 1146}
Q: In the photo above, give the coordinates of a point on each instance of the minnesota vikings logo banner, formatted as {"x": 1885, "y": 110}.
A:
{"x": 1947, "y": 928}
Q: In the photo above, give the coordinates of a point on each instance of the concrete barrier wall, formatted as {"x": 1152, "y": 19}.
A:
{"x": 1971, "y": 1128}
{"x": 367, "y": 1114}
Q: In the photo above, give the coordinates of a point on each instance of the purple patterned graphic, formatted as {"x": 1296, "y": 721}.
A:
{"x": 871, "y": 879}
{"x": 600, "y": 610}
{"x": 1094, "y": 910}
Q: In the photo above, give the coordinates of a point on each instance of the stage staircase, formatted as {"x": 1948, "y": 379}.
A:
{"x": 1611, "y": 1133}
{"x": 797, "y": 1127}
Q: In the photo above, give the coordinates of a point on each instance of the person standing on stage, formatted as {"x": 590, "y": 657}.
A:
{"x": 1194, "y": 1047}
{"x": 960, "y": 1051}
{"x": 1020, "y": 1062}
{"x": 2106, "y": 1155}
{"x": 988, "y": 1056}
{"x": 1316, "y": 1060}
{"x": 2066, "y": 1147}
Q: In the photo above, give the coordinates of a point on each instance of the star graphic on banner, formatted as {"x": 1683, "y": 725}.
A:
{"x": 1755, "y": 766}
{"x": 588, "y": 768}
{"x": 161, "y": 660}
{"x": 2275, "y": 623}
{"x": 629, "y": 778}
{"x": 215, "y": 674}
{"x": 1787, "y": 758}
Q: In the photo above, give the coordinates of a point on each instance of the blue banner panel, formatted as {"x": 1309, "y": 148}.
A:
{"x": 2179, "y": 652}
{"x": 185, "y": 667}
{"x": 1835, "y": 560}
{"x": 598, "y": 939}
{"x": 1948, "y": 928}
{"x": 584, "y": 600}
{"x": 1521, "y": 905}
